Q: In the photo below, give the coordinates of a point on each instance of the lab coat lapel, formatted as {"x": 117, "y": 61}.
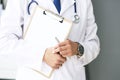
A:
{"x": 51, "y": 6}
{"x": 65, "y": 5}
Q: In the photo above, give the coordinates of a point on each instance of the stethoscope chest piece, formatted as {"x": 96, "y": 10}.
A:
{"x": 76, "y": 19}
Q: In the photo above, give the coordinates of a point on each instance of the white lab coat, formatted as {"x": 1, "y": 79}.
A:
{"x": 85, "y": 32}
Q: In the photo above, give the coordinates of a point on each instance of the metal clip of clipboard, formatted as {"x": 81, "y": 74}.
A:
{"x": 54, "y": 16}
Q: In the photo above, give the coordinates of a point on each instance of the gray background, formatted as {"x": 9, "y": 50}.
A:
{"x": 107, "y": 65}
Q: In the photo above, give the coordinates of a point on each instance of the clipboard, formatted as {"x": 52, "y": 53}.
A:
{"x": 42, "y": 29}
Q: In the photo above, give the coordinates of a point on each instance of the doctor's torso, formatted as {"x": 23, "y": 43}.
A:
{"x": 72, "y": 69}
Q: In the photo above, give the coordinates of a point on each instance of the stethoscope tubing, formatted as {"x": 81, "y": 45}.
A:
{"x": 32, "y": 1}
{"x": 75, "y": 8}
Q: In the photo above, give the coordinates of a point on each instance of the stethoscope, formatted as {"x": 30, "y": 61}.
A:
{"x": 76, "y": 18}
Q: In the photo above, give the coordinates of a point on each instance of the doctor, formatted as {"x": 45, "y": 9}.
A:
{"x": 81, "y": 47}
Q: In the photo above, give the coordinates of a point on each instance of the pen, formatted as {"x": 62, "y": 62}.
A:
{"x": 58, "y": 42}
{"x": 57, "y": 39}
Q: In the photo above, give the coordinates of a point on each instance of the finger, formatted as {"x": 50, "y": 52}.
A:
{"x": 61, "y": 59}
{"x": 66, "y": 42}
{"x": 63, "y": 48}
{"x": 64, "y": 53}
{"x": 57, "y": 66}
{"x": 60, "y": 62}
{"x": 61, "y": 44}
{"x": 60, "y": 49}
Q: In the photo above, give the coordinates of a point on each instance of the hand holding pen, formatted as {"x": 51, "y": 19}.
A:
{"x": 66, "y": 48}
